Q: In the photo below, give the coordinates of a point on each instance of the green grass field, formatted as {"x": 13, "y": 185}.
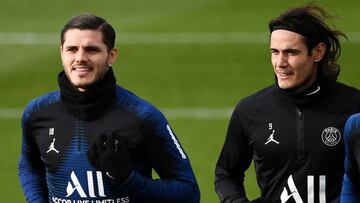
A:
{"x": 200, "y": 73}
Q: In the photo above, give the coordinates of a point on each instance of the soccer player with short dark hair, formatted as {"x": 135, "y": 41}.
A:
{"x": 293, "y": 129}
{"x": 94, "y": 141}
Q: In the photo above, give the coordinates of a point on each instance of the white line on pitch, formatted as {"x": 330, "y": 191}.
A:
{"x": 170, "y": 113}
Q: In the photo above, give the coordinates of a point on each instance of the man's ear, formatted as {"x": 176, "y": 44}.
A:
{"x": 318, "y": 52}
{"x": 61, "y": 47}
{"x": 113, "y": 55}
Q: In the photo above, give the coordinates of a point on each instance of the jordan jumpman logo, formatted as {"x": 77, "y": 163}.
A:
{"x": 52, "y": 147}
{"x": 271, "y": 138}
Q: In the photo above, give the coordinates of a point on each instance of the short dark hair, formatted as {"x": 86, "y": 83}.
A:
{"x": 88, "y": 21}
{"x": 309, "y": 21}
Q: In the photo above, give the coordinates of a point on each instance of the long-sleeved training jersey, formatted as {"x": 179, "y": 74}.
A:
{"x": 53, "y": 166}
{"x": 295, "y": 140}
{"x": 350, "y": 192}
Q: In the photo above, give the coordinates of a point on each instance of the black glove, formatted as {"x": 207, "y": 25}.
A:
{"x": 110, "y": 156}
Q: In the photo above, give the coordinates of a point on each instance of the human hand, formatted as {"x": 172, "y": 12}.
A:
{"x": 110, "y": 156}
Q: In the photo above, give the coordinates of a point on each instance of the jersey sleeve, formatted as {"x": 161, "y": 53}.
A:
{"x": 177, "y": 183}
{"x": 234, "y": 160}
{"x": 351, "y": 182}
{"x": 31, "y": 170}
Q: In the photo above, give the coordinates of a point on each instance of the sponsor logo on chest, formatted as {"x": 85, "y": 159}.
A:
{"x": 290, "y": 192}
{"x": 75, "y": 187}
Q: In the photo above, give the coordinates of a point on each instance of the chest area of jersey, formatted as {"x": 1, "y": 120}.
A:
{"x": 296, "y": 135}
{"x": 60, "y": 140}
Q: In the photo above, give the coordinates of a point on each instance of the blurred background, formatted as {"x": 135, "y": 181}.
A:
{"x": 194, "y": 60}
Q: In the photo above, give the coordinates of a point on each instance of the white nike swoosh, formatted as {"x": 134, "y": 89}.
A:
{"x": 315, "y": 91}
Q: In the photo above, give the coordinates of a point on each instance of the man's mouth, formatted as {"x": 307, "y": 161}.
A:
{"x": 284, "y": 74}
{"x": 82, "y": 71}
{"x": 82, "y": 68}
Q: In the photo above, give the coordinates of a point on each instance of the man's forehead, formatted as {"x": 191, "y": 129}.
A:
{"x": 84, "y": 37}
{"x": 286, "y": 39}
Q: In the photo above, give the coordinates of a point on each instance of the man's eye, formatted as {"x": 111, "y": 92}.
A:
{"x": 71, "y": 49}
{"x": 293, "y": 53}
{"x": 93, "y": 50}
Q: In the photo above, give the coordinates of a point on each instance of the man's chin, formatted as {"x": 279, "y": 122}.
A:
{"x": 82, "y": 87}
{"x": 291, "y": 88}
{"x": 285, "y": 86}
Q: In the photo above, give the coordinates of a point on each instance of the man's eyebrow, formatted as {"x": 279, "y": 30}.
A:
{"x": 88, "y": 47}
{"x": 70, "y": 47}
{"x": 291, "y": 50}
{"x": 92, "y": 47}
{"x": 288, "y": 50}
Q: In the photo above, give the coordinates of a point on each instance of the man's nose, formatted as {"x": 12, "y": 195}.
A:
{"x": 282, "y": 60}
{"x": 80, "y": 56}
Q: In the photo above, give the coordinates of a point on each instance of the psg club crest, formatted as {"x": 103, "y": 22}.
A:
{"x": 331, "y": 136}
